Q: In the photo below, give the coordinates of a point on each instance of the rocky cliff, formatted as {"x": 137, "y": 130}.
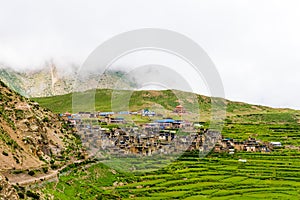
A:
{"x": 31, "y": 136}
{"x": 52, "y": 80}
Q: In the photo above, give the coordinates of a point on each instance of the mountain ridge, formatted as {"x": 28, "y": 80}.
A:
{"x": 52, "y": 80}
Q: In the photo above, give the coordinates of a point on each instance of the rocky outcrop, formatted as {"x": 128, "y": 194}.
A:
{"x": 7, "y": 191}
{"x": 32, "y": 136}
{"x": 52, "y": 80}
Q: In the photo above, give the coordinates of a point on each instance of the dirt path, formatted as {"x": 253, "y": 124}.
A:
{"x": 25, "y": 179}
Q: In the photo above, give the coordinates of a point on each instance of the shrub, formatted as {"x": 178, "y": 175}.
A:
{"x": 19, "y": 114}
{"x": 17, "y": 160}
{"x": 54, "y": 166}
{"x": 46, "y": 119}
{"x": 32, "y": 195}
{"x": 31, "y": 173}
{"x": 21, "y": 195}
{"x": 45, "y": 169}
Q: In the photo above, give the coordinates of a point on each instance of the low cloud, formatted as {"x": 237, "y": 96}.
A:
{"x": 254, "y": 44}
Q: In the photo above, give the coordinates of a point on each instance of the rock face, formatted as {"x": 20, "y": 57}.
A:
{"x": 6, "y": 190}
{"x": 31, "y": 136}
{"x": 51, "y": 80}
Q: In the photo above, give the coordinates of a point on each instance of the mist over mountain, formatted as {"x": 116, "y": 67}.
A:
{"x": 53, "y": 79}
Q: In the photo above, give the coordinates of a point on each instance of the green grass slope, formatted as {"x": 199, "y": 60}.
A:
{"x": 167, "y": 100}
{"x": 264, "y": 176}
{"x": 274, "y": 175}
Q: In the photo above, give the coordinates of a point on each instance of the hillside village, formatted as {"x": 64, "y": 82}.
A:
{"x": 110, "y": 132}
{"x": 116, "y": 134}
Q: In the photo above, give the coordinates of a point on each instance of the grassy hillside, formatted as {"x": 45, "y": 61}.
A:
{"x": 167, "y": 100}
{"x": 242, "y": 119}
{"x": 142, "y": 99}
{"x": 13, "y": 80}
{"x": 274, "y": 175}
{"x": 138, "y": 100}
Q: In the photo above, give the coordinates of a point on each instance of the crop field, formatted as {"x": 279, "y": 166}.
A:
{"x": 221, "y": 177}
{"x": 274, "y": 175}
{"x": 217, "y": 176}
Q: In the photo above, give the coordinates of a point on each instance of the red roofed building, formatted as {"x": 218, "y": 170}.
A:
{"x": 179, "y": 109}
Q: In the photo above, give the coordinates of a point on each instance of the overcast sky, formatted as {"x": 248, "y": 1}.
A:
{"x": 254, "y": 44}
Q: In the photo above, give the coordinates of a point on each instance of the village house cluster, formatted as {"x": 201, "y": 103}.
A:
{"x": 146, "y": 141}
{"x": 250, "y": 145}
{"x": 162, "y": 136}
{"x": 110, "y": 132}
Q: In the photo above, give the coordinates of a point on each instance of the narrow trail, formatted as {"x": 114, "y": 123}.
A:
{"x": 25, "y": 179}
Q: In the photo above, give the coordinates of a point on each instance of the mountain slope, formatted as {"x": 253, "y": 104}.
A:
{"x": 52, "y": 80}
{"x": 30, "y": 136}
{"x": 167, "y": 100}
{"x": 6, "y": 190}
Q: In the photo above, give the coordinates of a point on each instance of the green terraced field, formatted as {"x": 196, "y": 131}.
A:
{"x": 274, "y": 175}
{"x": 217, "y": 177}
{"x": 214, "y": 177}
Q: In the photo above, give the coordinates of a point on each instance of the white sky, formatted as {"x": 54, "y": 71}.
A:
{"x": 254, "y": 44}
